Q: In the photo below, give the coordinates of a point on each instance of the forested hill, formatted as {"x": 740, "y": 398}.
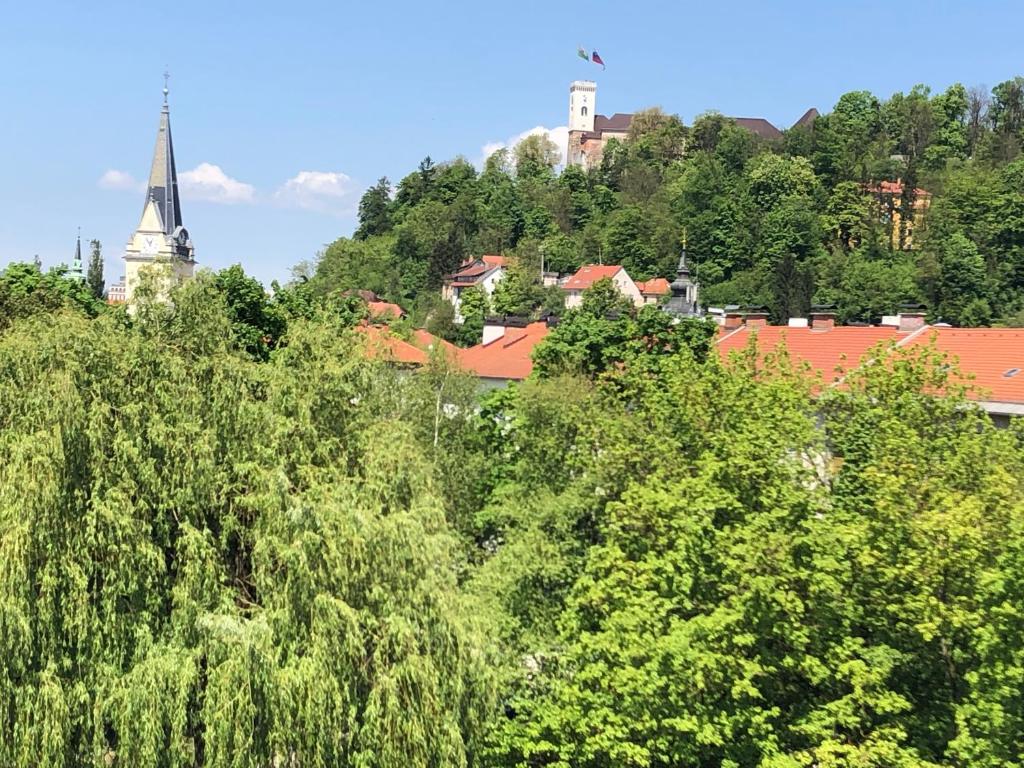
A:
{"x": 787, "y": 224}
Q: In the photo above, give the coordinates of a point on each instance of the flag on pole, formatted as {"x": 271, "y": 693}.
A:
{"x": 582, "y": 53}
{"x": 596, "y": 59}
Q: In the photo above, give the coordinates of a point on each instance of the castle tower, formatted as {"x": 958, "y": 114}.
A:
{"x": 160, "y": 238}
{"x": 582, "y": 110}
{"x": 582, "y": 105}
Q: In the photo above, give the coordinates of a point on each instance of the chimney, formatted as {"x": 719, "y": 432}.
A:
{"x": 494, "y": 329}
{"x": 755, "y": 317}
{"x": 733, "y": 320}
{"x": 911, "y": 321}
{"x": 911, "y": 317}
{"x": 823, "y": 317}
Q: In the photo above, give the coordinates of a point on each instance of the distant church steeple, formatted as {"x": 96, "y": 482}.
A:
{"x": 163, "y": 175}
{"x": 76, "y": 272}
{"x": 684, "y": 301}
{"x": 161, "y": 236}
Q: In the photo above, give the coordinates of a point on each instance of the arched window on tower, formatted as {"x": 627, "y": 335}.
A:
{"x": 583, "y": 111}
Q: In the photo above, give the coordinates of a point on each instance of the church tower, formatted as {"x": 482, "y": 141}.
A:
{"x": 160, "y": 238}
{"x": 76, "y": 272}
{"x": 684, "y": 301}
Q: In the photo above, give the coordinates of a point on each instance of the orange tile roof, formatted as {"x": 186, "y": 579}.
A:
{"x": 983, "y": 354}
{"x": 507, "y": 357}
{"x": 381, "y": 344}
{"x": 658, "y": 286}
{"x": 428, "y": 341}
{"x": 589, "y": 274}
{"x": 987, "y": 354}
{"x": 384, "y": 309}
{"x": 823, "y": 351}
{"x": 895, "y": 188}
{"x": 493, "y": 261}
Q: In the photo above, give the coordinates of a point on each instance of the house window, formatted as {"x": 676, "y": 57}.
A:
{"x": 583, "y": 111}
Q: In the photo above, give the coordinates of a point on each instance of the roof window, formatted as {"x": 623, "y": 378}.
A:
{"x": 1011, "y": 373}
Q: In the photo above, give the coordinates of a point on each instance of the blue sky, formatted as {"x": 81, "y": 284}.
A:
{"x": 283, "y": 112}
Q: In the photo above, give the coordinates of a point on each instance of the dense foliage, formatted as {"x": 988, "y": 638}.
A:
{"x": 206, "y": 560}
{"x": 232, "y": 537}
{"x": 777, "y": 224}
{"x": 218, "y": 554}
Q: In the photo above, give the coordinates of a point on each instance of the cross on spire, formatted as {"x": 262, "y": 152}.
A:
{"x": 167, "y": 76}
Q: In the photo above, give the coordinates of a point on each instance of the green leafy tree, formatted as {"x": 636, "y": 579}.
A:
{"x": 26, "y": 291}
{"x": 474, "y": 306}
{"x": 94, "y": 274}
{"x": 375, "y": 210}
{"x": 256, "y": 322}
{"x": 518, "y": 293}
{"x": 223, "y": 563}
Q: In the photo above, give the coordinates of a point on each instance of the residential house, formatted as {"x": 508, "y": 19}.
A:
{"x": 484, "y": 272}
{"x": 505, "y": 353}
{"x": 655, "y": 290}
{"x": 992, "y": 359}
{"x": 589, "y": 274}
{"x": 889, "y": 198}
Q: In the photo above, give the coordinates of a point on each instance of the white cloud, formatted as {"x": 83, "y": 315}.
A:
{"x": 209, "y": 182}
{"x": 324, "y": 191}
{"x": 115, "y": 179}
{"x": 559, "y": 135}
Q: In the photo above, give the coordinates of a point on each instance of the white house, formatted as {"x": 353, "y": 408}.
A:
{"x": 484, "y": 272}
{"x": 589, "y": 274}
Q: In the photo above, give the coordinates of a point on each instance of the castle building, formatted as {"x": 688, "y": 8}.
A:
{"x": 161, "y": 238}
{"x": 589, "y": 132}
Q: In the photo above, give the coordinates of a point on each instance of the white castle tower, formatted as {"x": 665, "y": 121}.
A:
{"x": 582, "y": 105}
{"x": 160, "y": 238}
{"x": 582, "y": 110}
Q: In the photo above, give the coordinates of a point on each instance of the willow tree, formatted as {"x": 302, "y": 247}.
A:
{"x": 208, "y": 561}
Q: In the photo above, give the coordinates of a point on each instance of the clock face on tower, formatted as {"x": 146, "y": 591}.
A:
{"x": 149, "y": 245}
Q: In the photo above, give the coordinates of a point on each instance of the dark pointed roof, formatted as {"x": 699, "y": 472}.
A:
{"x": 759, "y": 127}
{"x": 684, "y": 291}
{"x": 163, "y": 176}
{"x": 807, "y": 120}
{"x": 76, "y": 273}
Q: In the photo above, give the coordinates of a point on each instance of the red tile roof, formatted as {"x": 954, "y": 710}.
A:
{"x": 658, "y": 286}
{"x": 823, "y": 351}
{"x": 381, "y": 344}
{"x": 986, "y": 354}
{"x": 507, "y": 357}
{"x": 983, "y": 355}
{"x": 895, "y": 188}
{"x": 589, "y": 274}
{"x": 384, "y": 309}
{"x": 428, "y": 342}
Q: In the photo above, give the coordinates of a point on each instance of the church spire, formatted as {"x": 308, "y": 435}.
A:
{"x": 163, "y": 176}
{"x": 76, "y": 272}
{"x": 684, "y": 290}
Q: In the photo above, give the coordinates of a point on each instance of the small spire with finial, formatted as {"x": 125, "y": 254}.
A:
{"x": 167, "y": 76}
